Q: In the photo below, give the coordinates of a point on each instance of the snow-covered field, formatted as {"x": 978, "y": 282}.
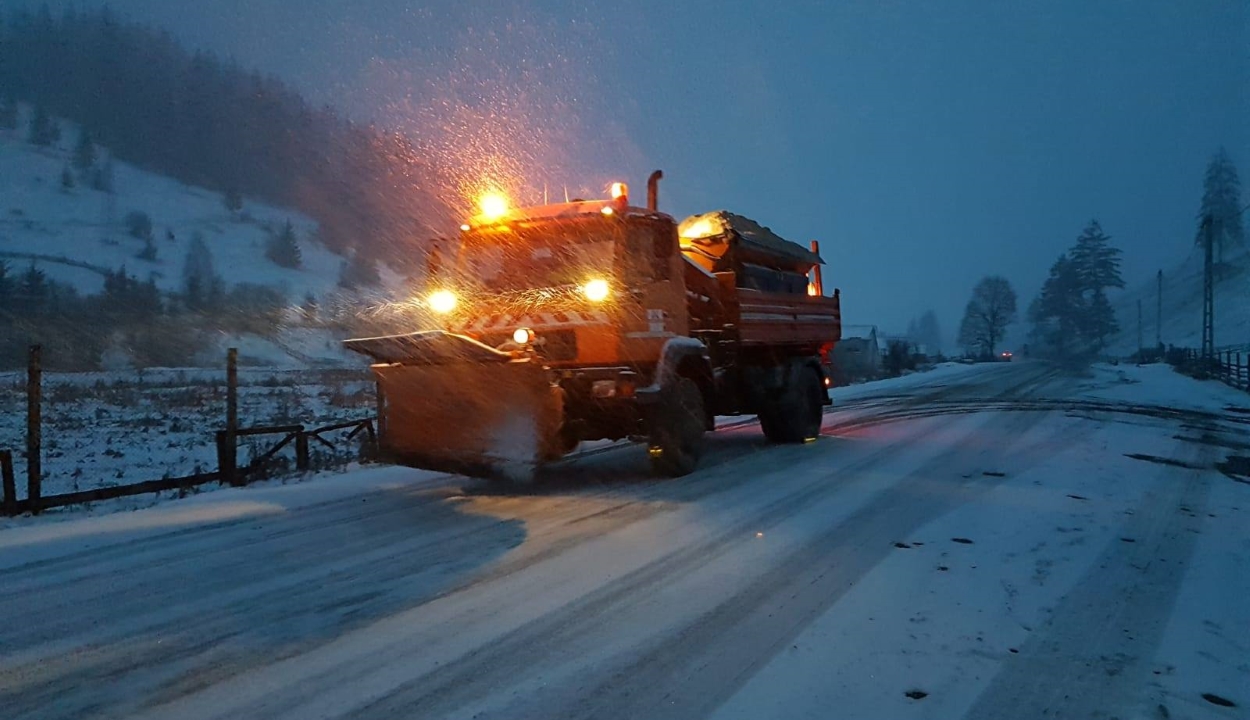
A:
{"x": 1081, "y": 558}
{"x": 119, "y": 428}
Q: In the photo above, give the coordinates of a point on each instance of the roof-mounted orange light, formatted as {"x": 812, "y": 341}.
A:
{"x": 620, "y": 191}
{"x": 493, "y": 205}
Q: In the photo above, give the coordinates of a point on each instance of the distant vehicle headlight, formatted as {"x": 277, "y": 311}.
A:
{"x": 441, "y": 301}
{"x": 596, "y": 290}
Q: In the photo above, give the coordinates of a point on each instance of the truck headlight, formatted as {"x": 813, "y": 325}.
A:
{"x": 441, "y": 301}
{"x": 596, "y": 290}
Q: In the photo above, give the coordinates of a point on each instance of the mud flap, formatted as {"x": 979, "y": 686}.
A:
{"x": 455, "y": 405}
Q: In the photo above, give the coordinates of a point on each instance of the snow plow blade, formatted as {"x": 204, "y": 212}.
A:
{"x": 452, "y": 404}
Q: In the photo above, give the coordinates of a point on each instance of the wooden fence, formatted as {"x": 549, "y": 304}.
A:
{"x": 1231, "y": 367}
{"x": 226, "y": 441}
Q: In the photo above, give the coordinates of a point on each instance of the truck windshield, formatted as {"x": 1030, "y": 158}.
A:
{"x": 538, "y": 258}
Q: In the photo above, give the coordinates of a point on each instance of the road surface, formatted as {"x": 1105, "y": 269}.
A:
{"x": 976, "y": 545}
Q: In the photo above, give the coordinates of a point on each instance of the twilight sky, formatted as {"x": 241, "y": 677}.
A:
{"x": 925, "y": 144}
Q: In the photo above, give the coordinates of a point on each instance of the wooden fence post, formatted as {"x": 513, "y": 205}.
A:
{"x": 10, "y": 487}
{"x": 301, "y": 451}
{"x": 228, "y": 452}
{"x": 34, "y": 427}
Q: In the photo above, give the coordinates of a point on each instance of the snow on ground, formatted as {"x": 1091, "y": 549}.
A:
{"x": 82, "y": 225}
{"x": 1159, "y": 384}
{"x": 1016, "y": 578}
{"x": 939, "y": 374}
{"x": 977, "y": 565}
{"x": 55, "y": 534}
{"x": 119, "y": 428}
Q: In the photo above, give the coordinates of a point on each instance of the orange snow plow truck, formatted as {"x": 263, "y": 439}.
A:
{"x": 599, "y": 319}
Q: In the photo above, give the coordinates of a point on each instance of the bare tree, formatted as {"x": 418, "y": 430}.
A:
{"x": 989, "y": 312}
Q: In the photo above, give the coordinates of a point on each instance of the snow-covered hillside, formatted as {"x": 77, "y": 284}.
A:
{"x": 1182, "y": 306}
{"x": 74, "y": 235}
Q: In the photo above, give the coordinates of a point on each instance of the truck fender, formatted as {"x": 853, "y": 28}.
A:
{"x": 680, "y": 357}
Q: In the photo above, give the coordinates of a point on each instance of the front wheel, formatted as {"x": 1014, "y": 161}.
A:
{"x": 676, "y": 438}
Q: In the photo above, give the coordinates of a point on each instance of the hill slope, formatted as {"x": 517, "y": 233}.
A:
{"x": 76, "y": 234}
{"x": 1182, "y": 306}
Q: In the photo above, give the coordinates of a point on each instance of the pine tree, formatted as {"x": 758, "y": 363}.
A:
{"x": 232, "y": 200}
{"x": 201, "y": 286}
{"x": 1097, "y": 263}
{"x": 33, "y": 288}
{"x": 6, "y": 286}
{"x": 1221, "y": 201}
{"x": 139, "y": 225}
{"x": 43, "y": 129}
{"x": 1099, "y": 319}
{"x": 1096, "y": 267}
{"x": 84, "y": 151}
{"x": 969, "y": 339}
{"x": 149, "y": 250}
{"x": 282, "y": 249}
{"x": 929, "y": 332}
{"x": 102, "y": 177}
{"x": 359, "y": 272}
{"x": 1058, "y": 313}
{"x": 8, "y": 114}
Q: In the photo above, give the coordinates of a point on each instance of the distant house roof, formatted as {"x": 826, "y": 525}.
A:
{"x": 862, "y": 332}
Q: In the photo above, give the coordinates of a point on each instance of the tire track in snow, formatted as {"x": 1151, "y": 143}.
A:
{"x": 1090, "y": 658}
{"x": 168, "y": 608}
{"x": 480, "y": 602}
{"x": 805, "y": 583}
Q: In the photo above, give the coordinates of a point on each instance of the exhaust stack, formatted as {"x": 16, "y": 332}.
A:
{"x": 653, "y": 190}
{"x": 817, "y": 285}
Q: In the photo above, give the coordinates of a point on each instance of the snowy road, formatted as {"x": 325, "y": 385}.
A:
{"x": 973, "y": 543}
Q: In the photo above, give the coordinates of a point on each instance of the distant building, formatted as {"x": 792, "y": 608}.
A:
{"x": 914, "y": 348}
{"x": 857, "y": 355}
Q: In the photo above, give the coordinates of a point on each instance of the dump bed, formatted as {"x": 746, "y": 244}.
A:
{"x": 764, "y": 318}
{"x": 745, "y": 276}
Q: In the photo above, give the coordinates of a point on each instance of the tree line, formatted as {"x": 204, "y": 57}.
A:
{"x": 1072, "y": 316}
{"x": 208, "y": 122}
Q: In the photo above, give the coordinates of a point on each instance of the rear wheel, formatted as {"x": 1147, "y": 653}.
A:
{"x": 676, "y": 438}
{"x": 795, "y": 414}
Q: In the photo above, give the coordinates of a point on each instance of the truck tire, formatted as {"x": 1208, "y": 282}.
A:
{"x": 794, "y": 416}
{"x": 676, "y": 438}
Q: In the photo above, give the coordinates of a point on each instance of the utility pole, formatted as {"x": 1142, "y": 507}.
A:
{"x": 1159, "y": 313}
{"x": 1208, "y": 290}
{"x": 1140, "y": 349}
